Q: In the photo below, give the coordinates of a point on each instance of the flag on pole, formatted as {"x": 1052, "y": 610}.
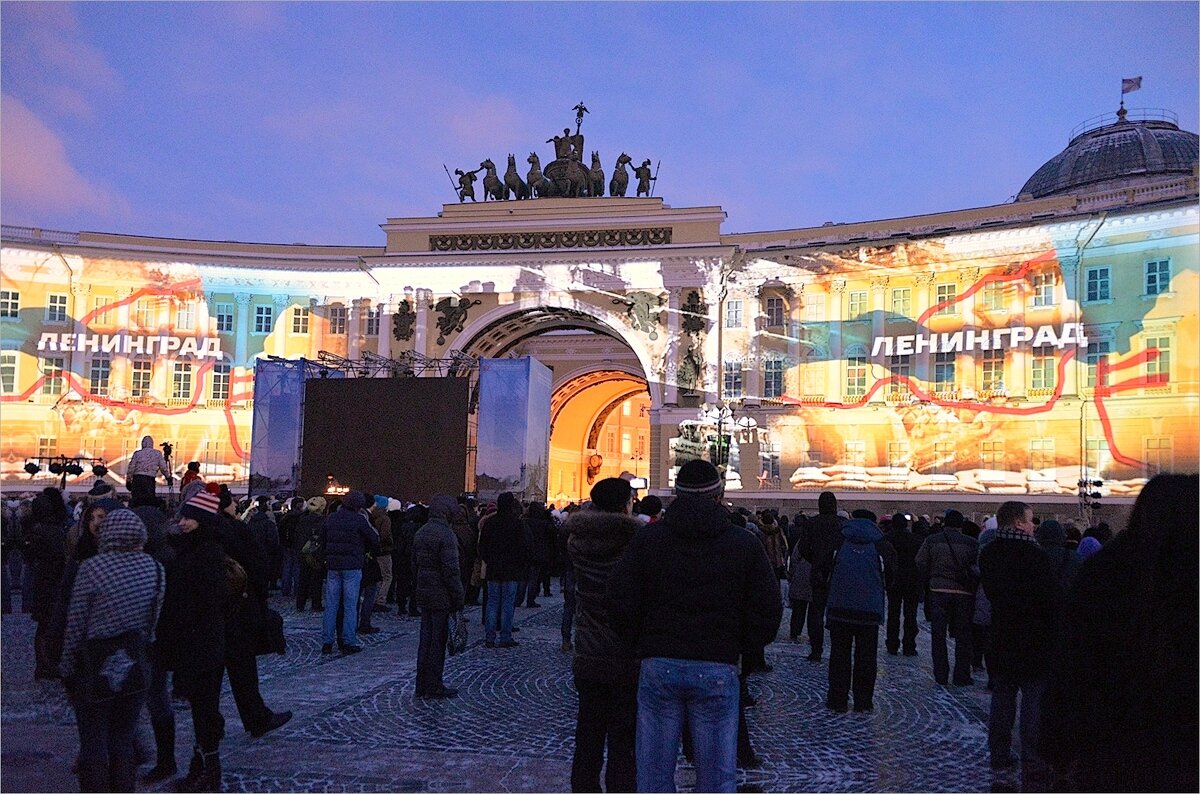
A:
{"x": 1130, "y": 84}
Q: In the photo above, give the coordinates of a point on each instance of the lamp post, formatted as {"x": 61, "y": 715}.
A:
{"x": 718, "y": 413}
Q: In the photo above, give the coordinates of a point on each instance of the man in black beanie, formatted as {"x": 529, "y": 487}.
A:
{"x": 690, "y": 595}
{"x": 822, "y": 538}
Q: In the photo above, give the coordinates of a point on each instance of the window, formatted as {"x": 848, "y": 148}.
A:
{"x": 854, "y": 453}
{"x": 1096, "y": 351}
{"x": 994, "y": 295}
{"x": 769, "y": 455}
{"x": 8, "y": 372}
{"x": 812, "y": 375}
{"x": 1097, "y": 286}
{"x": 224, "y": 318}
{"x": 10, "y": 304}
{"x": 902, "y": 302}
{"x": 1158, "y": 277}
{"x": 1159, "y": 457}
{"x": 1158, "y": 368}
{"x": 733, "y": 314}
{"x": 991, "y": 454}
{"x": 47, "y": 446}
{"x": 856, "y": 376}
{"x": 943, "y": 371}
{"x": 774, "y": 310}
{"x": 142, "y": 372}
{"x": 944, "y": 457}
{"x": 858, "y": 304}
{"x": 373, "y": 322}
{"x": 143, "y": 313}
{"x": 52, "y": 375}
{"x": 212, "y": 456}
{"x": 220, "y": 381}
{"x": 1041, "y": 453}
{"x": 1097, "y": 457}
{"x": 98, "y": 374}
{"x": 185, "y": 316}
{"x": 263, "y": 316}
{"x": 1043, "y": 370}
{"x": 626, "y": 444}
{"x": 814, "y": 309}
{"x": 337, "y": 320}
{"x": 733, "y": 379}
{"x": 993, "y": 370}
{"x": 56, "y": 309}
{"x": 101, "y": 313}
{"x": 181, "y": 381}
{"x": 901, "y": 369}
{"x": 1042, "y": 285}
{"x": 612, "y": 442}
{"x": 300, "y": 320}
{"x": 898, "y": 454}
{"x": 947, "y": 296}
{"x": 773, "y": 377}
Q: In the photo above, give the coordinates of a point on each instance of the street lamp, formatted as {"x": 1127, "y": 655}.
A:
{"x": 718, "y": 414}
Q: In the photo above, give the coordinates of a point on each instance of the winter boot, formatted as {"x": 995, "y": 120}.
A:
{"x": 164, "y": 741}
{"x": 210, "y": 780}
{"x": 195, "y": 772}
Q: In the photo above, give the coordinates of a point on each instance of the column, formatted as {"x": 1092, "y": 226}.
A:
{"x": 386, "y": 310}
{"x": 242, "y": 321}
{"x": 922, "y": 371}
{"x": 837, "y": 389}
{"x": 282, "y": 327}
{"x": 78, "y": 358}
{"x": 793, "y": 346}
{"x": 672, "y": 350}
{"x": 966, "y": 367}
{"x": 354, "y": 328}
{"x": 421, "y": 327}
{"x": 1069, "y": 297}
{"x": 1016, "y": 376}
{"x": 879, "y": 368}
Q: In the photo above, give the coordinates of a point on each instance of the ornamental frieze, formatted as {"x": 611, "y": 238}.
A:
{"x": 532, "y": 241}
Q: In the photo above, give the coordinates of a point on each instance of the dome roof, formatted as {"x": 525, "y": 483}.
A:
{"x": 1116, "y": 153}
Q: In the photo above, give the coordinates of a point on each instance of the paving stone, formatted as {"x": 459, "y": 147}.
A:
{"x": 358, "y": 727}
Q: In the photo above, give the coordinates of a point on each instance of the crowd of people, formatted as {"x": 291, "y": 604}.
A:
{"x": 1090, "y": 638}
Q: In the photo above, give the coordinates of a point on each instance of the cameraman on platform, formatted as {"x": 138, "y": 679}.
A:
{"x": 145, "y": 465}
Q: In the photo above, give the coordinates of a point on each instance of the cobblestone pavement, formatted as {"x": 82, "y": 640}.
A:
{"x": 358, "y": 728}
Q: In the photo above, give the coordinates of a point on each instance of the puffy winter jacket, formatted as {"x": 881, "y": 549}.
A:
{"x": 345, "y": 536}
{"x": 595, "y": 541}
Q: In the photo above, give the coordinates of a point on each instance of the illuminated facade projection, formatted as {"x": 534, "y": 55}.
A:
{"x": 972, "y": 354}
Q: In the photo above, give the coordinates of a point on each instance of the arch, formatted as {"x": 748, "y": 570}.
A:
{"x": 499, "y": 330}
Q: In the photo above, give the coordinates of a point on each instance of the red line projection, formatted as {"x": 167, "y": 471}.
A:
{"x": 1018, "y": 274}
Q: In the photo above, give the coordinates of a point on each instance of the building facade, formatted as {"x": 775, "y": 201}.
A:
{"x": 978, "y": 353}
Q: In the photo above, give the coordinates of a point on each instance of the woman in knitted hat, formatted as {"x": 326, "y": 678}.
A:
{"x": 191, "y": 633}
{"x": 118, "y": 590}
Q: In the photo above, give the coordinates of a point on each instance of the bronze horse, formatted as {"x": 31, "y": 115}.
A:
{"x": 596, "y": 176}
{"x": 513, "y": 185}
{"x": 493, "y": 188}
{"x": 620, "y": 177}
{"x": 539, "y": 186}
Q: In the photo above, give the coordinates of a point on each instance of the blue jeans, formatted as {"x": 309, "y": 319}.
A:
{"x": 708, "y": 693}
{"x": 342, "y": 585}
{"x": 291, "y": 572}
{"x": 502, "y": 598}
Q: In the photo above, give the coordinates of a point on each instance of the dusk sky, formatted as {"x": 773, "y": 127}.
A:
{"x": 316, "y": 122}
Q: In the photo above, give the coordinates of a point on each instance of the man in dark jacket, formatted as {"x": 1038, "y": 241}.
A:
{"x": 345, "y": 537}
{"x": 861, "y": 571}
{"x": 947, "y": 560}
{"x": 605, "y": 671}
{"x": 690, "y": 595}
{"x": 1023, "y": 591}
{"x": 504, "y": 549}
{"x": 439, "y": 593}
{"x": 905, "y": 593}
{"x": 310, "y": 585}
{"x": 820, "y": 540}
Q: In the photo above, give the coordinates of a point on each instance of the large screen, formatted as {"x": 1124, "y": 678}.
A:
{"x": 401, "y": 437}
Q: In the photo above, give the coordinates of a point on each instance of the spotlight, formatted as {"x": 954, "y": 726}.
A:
{"x": 74, "y": 469}
{"x": 56, "y": 468}
{"x": 32, "y": 468}
{"x": 99, "y": 470}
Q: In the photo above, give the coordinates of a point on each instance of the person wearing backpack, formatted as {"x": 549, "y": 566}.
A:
{"x": 861, "y": 572}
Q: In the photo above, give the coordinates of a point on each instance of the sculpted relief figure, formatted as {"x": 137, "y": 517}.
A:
{"x": 466, "y": 184}
{"x": 403, "y": 321}
{"x": 642, "y": 172}
{"x": 643, "y": 310}
{"x": 454, "y": 316}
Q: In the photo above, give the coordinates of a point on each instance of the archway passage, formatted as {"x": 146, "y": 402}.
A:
{"x": 600, "y": 406}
